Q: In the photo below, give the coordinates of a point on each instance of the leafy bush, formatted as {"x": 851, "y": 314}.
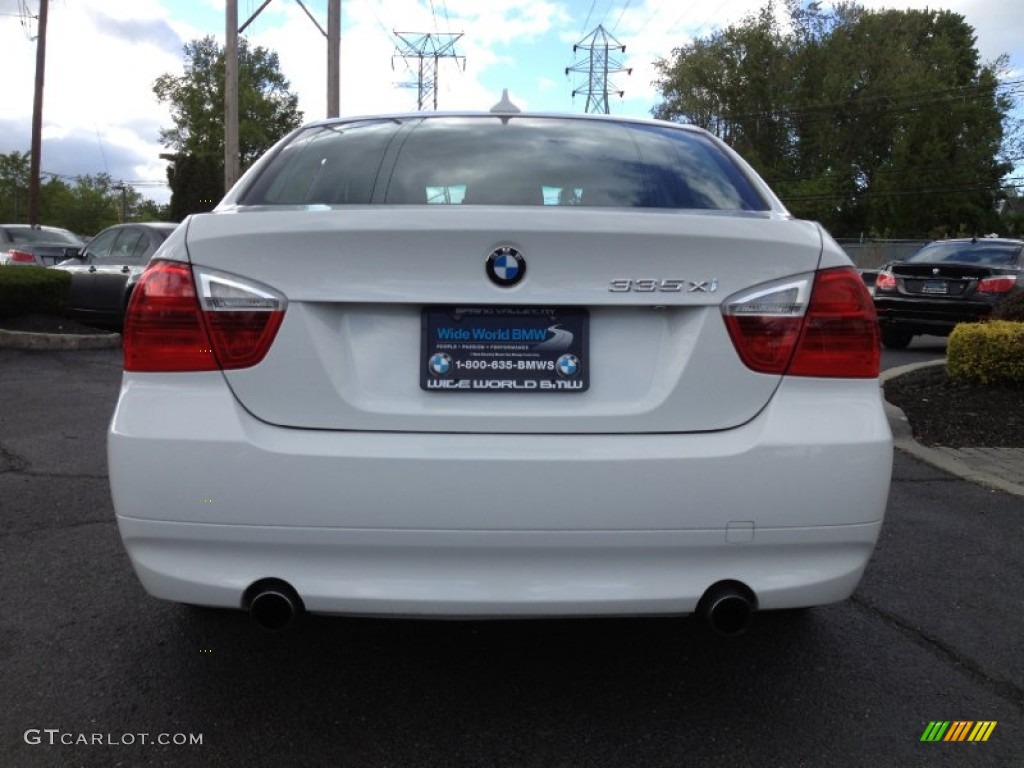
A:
{"x": 33, "y": 290}
{"x": 987, "y": 353}
{"x": 1010, "y": 308}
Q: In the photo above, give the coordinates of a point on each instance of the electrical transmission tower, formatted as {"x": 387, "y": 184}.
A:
{"x": 429, "y": 48}
{"x": 600, "y": 62}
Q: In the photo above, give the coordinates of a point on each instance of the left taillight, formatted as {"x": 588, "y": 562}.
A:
{"x": 180, "y": 319}
{"x": 21, "y": 257}
{"x": 886, "y": 281}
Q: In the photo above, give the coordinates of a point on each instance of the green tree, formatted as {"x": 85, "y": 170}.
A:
{"x": 267, "y": 111}
{"x": 91, "y": 203}
{"x": 1011, "y": 213}
{"x": 14, "y": 171}
{"x": 873, "y": 122}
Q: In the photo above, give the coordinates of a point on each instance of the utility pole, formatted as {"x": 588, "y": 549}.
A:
{"x": 231, "y": 164}
{"x": 598, "y": 65}
{"x": 429, "y": 48}
{"x": 37, "y": 118}
{"x": 333, "y": 57}
{"x": 232, "y": 31}
{"x": 124, "y": 201}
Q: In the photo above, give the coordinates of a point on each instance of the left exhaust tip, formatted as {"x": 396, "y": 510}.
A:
{"x": 273, "y": 605}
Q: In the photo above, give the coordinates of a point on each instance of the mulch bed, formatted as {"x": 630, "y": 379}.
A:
{"x": 46, "y": 324}
{"x": 943, "y": 412}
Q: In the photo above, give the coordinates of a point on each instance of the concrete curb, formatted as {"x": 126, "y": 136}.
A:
{"x": 903, "y": 439}
{"x": 51, "y": 341}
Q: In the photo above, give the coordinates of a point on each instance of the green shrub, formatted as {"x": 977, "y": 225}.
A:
{"x": 987, "y": 353}
{"x": 1010, "y": 308}
{"x": 33, "y": 290}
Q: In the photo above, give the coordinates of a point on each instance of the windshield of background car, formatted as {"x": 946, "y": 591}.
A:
{"x": 502, "y": 160}
{"x": 986, "y": 254}
{"x": 45, "y": 236}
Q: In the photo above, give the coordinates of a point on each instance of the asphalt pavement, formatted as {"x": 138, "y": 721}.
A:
{"x": 97, "y": 673}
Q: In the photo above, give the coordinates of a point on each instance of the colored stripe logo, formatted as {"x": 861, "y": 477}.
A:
{"x": 958, "y": 730}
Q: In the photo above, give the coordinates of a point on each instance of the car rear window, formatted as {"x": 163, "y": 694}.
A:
{"x": 28, "y": 235}
{"x": 502, "y": 160}
{"x": 986, "y": 254}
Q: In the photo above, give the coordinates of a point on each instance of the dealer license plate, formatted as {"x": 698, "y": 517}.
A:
{"x": 510, "y": 349}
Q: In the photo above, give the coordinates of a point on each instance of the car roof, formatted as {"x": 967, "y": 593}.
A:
{"x": 402, "y": 116}
{"x": 978, "y": 240}
{"x": 36, "y": 226}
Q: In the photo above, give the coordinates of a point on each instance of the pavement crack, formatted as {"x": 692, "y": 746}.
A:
{"x": 1003, "y": 688}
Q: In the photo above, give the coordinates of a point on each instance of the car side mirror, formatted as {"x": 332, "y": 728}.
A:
{"x": 74, "y": 253}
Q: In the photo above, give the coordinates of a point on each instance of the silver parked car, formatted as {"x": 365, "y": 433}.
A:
{"x": 39, "y": 246}
{"x": 496, "y": 365}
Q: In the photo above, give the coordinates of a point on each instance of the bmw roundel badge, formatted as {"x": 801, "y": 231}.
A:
{"x": 568, "y": 365}
{"x": 506, "y": 266}
{"x": 439, "y": 364}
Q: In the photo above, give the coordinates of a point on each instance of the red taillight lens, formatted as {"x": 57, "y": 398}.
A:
{"x": 829, "y": 329}
{"x": 163, "y": 328}
{"x": 169, "y": 326}
{"x": 242, "y": 339}
{"x": 840, "y": 337}
{"x": 885, "y": 282}
{"x": 21, "y": 257}
{"x": 765, "y": 343}
{"x": 999, "y": 284}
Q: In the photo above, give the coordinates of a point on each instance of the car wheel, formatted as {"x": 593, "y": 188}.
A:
{"x": 894, "y": 339}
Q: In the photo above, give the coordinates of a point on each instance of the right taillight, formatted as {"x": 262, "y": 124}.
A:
{"x": 816, "y": 325}
{"x": 997, "y": 284}
{"x": 171, "y": 326}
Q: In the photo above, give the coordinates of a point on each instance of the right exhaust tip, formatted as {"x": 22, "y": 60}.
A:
{"x": 274, "y": 605}
{"x": 728, "y": 607}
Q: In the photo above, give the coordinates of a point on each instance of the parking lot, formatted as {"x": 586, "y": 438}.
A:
{"x": 96, "y": 673}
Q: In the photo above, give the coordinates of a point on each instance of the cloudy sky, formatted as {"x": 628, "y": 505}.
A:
{"x": 103, "y": 55}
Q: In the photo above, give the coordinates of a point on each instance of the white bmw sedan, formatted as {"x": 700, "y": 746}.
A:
{"x": 495, "y": 365}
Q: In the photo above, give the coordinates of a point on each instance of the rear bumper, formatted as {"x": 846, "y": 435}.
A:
{"x": 496, "y": 573}
{"x": 210, "y": 500}
{"x": 925, "y": 316}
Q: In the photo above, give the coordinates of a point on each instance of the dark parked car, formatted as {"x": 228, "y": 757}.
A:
{"x": 945, "y": 283}
{"x": 27, "y": 245}
{"x": 104, "y": 272}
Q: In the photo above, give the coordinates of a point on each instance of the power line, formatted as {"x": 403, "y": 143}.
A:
{"x": 589, "y": 13}
{"x": 623, "y": 13}
{"x": 604, "y": 15}
{"x": 1015, "y": 182}
{"x": 433, "y": 13}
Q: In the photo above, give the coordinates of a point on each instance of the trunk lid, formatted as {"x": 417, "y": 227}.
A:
{"x": 945, "y": 280}
{"x": 349, "y": 354}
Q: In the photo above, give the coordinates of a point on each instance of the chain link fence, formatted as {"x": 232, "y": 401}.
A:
{"x": 872, "y": 254}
